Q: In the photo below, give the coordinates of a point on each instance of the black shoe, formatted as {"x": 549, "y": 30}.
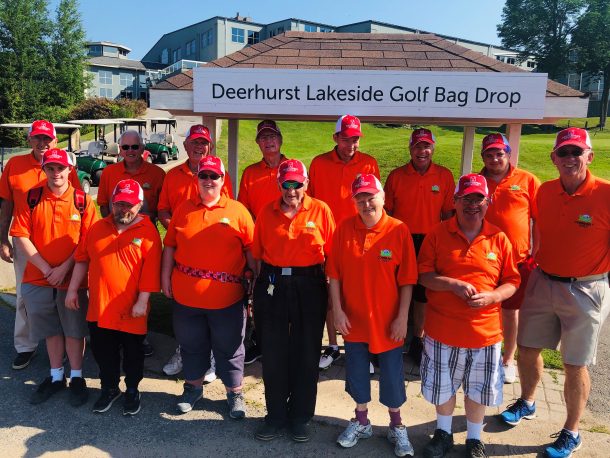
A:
{"x": 300, "y": 432}
{"x": 131, "y": 402}
{"x": 78, "y": 391}
{"x": 147, "y": 348}
{"x": 106, "y": 399}
{"x": 267, "y": 432}
{"x": 23, "y": 359}
{"x": 47, "y": 389}
{"x": 252, "y": 354}
{"x": 440, "y": 444}
{"x": 475, "y": 449}
{"x": 416, "y": 349}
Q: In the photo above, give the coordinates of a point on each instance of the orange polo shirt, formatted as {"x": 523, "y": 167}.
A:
{"x": 574, "y": 230}
{"x": 486, "y": 263}
{"x": 301, "y": 241}
{"x": 513, "y": 204}
{"x": 24, "y": 172}
{"x": 180, "y": 184}
{"x": 55, "y": 228}
{"x": 120, "y": 266}
{"x": 330, "y": 180}
{"x": 258, "y": 186}
{"x": 372, "y": 264}
{"x": 214, "y": 239}
{"x": 150, "y": 177}
{"x": 418, "y": 200}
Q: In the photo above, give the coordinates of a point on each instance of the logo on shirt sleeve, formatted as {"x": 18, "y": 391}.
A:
{"x": 515, "y": 187}
{"x": 137, "y": 242}
{"x": 225, "y": 220}
{"x": 146, "y": 186}
{"x": 436, "y": 188}
{"x": 491, "y": 256}
{"x": 584, "y": 220}
{"x": 385, "y": 255}
{"x": 75, "y": 217}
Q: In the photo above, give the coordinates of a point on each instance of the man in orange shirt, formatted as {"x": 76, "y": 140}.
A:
{"x": 419, "y": 194}
{"x": 468, "y": 268}
{"x": 133, "y": 166}
{"x": 47, "y": 230}
{"x": 122, "y": 254}
{"x": 372, "y": 270}
{"x": 21, "y": 173}
{"x": 330, "y": 179}
{"x": 512, "y": 208}
{"x": 567, "y": 298}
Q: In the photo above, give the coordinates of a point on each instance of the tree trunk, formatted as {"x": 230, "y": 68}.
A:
{"x": 604, "y": 101}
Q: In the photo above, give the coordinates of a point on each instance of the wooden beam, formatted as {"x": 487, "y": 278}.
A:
{"x": 233, "y": 147}
{"x": 467, "y": 150}
{"x": 513, "y": 134}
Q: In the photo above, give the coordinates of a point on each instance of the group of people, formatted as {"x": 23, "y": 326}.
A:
{"x": 499, "y": 257}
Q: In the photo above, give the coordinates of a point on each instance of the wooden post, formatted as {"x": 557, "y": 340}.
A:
{"x": 467, "y": 150}
{"x": 513, "y": 134}
{"x": 233, "y": 147}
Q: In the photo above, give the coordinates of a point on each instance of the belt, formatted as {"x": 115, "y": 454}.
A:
{"x": 308, "y": 271}
{"x": 574, "y": 279}
{"x": 223, "y": 277}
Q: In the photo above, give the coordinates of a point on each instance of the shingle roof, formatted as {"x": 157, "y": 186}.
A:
{"x": 116, "y": 62}
{"x": 361, "y": 51}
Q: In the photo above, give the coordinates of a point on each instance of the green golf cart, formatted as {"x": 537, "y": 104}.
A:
{"x": 161, "y": 145}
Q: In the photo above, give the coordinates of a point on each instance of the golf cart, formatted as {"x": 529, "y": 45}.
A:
{"x": 99, "y": 152}
{"x": 73, "y": 131}
{"x": 161, "y": 145}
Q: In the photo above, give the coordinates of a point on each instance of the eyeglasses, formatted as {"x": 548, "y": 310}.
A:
{"x": 569, "y": 152}
{"x": 209, "y": 176}
{"x": 478, "y": 201}
{"x": 292, "y": 185}
{"x": 128, "y": 147}
{"x": 268, "y": 137}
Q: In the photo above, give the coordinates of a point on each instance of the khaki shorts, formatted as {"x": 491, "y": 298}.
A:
{"x": 570, "y": 313}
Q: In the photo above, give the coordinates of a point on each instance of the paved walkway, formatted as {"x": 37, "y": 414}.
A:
{"x": 56, "y": 429}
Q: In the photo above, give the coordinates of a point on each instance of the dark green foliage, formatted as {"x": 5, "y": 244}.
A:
{"x": 102, "y": 108}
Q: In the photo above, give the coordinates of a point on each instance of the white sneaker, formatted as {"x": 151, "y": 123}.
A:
{"x": 329, "y": 356}
{"x": 353, "y": 433}
{"x": 399, "y": 437}
{"x": 371, "y": 369}
{"x": 174, "y": 365}
{"x": 210, "y": 375}
{"x": 510, "y": 373}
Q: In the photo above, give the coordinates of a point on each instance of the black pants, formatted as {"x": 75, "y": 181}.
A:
{"x": 290, "y": 323}
{"x": 106, "y": 346}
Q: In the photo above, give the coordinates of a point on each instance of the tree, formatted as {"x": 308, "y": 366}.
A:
{"x": 592, "y": 41}
{"x": 542, "y": 29}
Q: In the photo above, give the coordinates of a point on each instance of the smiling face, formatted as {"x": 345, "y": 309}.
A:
{"x": 421, "y": 155}
{"x": 572, "y": 162}
{"x": 293, "y": 192}
{"x": 125, "y": 213}
{"x": 210, "y": 183}
{"x": 346, "y": 146}
{"x": 270, "y": 144}
{"x": 470, "y": 209}
{"x": 196, "y": 149}
{"x": 370, "y": 207}
{"x": 57, "y": 175}
{"x": 131, "y": 156}
{"x": 40, "y": 144}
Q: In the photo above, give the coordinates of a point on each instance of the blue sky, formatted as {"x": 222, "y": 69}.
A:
{"x": 139, "y": 24}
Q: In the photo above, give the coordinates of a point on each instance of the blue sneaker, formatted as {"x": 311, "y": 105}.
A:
{"x": 564, "y": 445}
{"x": 517, "y": 411}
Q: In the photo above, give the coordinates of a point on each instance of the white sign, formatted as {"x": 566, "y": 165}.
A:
{"x": 260, "y": 91}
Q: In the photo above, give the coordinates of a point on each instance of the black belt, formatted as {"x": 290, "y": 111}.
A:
{"x": 573, "y": 279}
{"x": 307, "y": 271}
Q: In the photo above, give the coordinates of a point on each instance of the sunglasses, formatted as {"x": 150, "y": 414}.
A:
{"x": 209, "y": 176}
{"x": 292, "y": 185}
{"x": 573, "y": 153}
{"x": 128, "y": 147}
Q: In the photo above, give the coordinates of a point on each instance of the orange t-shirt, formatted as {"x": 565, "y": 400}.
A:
{"x": 330, "y": 180}
{"x": 213, "y": 239}
{"x": 180, "y": 184}
{"x": 372, "y": 264}
{"x": 574, "y": 230}
{"x": 55, "y": 228}
{"x": 22, "y": 173}
{"x": 418, "y": 200}
{"x": 301, "y": 241}
{"x": 258, "y": 186}
{"x": 120, "y": 267}
{"x": 150, "y": 177}
{"x": 513, "y": 204}
{"x": 486, "y": 263}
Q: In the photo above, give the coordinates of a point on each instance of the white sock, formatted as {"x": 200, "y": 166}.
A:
{"x": 444, "y": 422}
{"x": 473, "y": 430}
{"x": 76, "y": 373}
{"x": 530, "y": 403}
{"x": 573, "y": 433}
{"x": 57, "y": 375}
{"x": 334, "y": 347}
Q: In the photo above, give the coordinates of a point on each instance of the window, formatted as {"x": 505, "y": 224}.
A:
{"x": 237, "y": 35}
{"x": 511, "y": 60}
{"x": 106, "y": 92}
{"x": 165, "y": 56}
{"x": 95, "y": 50}
{"x": 531, "y": 64}
{"x": 253, "y": 37}
{"x": 177, "y": 55}
{"x": 125, "y": 79}
{"x": 190, "y": 47}
{"x": 105, "y": 77}
{"x": 325, "y": 30}
{"x": 310, "y": 28}
{"x": 280, "y": 30}
{"x": 271, "y": 33}
{"x": 207, "y": 38}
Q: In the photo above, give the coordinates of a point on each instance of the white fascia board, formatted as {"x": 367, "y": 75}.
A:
{"x": 171, "y": 99}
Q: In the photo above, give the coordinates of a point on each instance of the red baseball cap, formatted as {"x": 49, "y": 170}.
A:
{"x": 212, "y": 164}
{"x": 269, "y": 125}
{"x": 573, "y": 136}
{"x": 470, "y": 184}
{"x": 495, "y": 141}
{"x": 421, "y": 135}
{"x": 198, "y": 131}
{"x": 56, "y": 156}
{"x": 42, "y": 127}
{"x": 128, "y": 191}
{"x": 292, "y": 170}
{"x": 366, "y": 182}
{"x": 349, "y": 126}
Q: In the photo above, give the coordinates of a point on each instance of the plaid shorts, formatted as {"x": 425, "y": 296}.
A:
{"x": 478, "y": 370}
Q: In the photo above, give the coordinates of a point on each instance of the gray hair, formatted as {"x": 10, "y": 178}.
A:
{"x": 132, "y": 132}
